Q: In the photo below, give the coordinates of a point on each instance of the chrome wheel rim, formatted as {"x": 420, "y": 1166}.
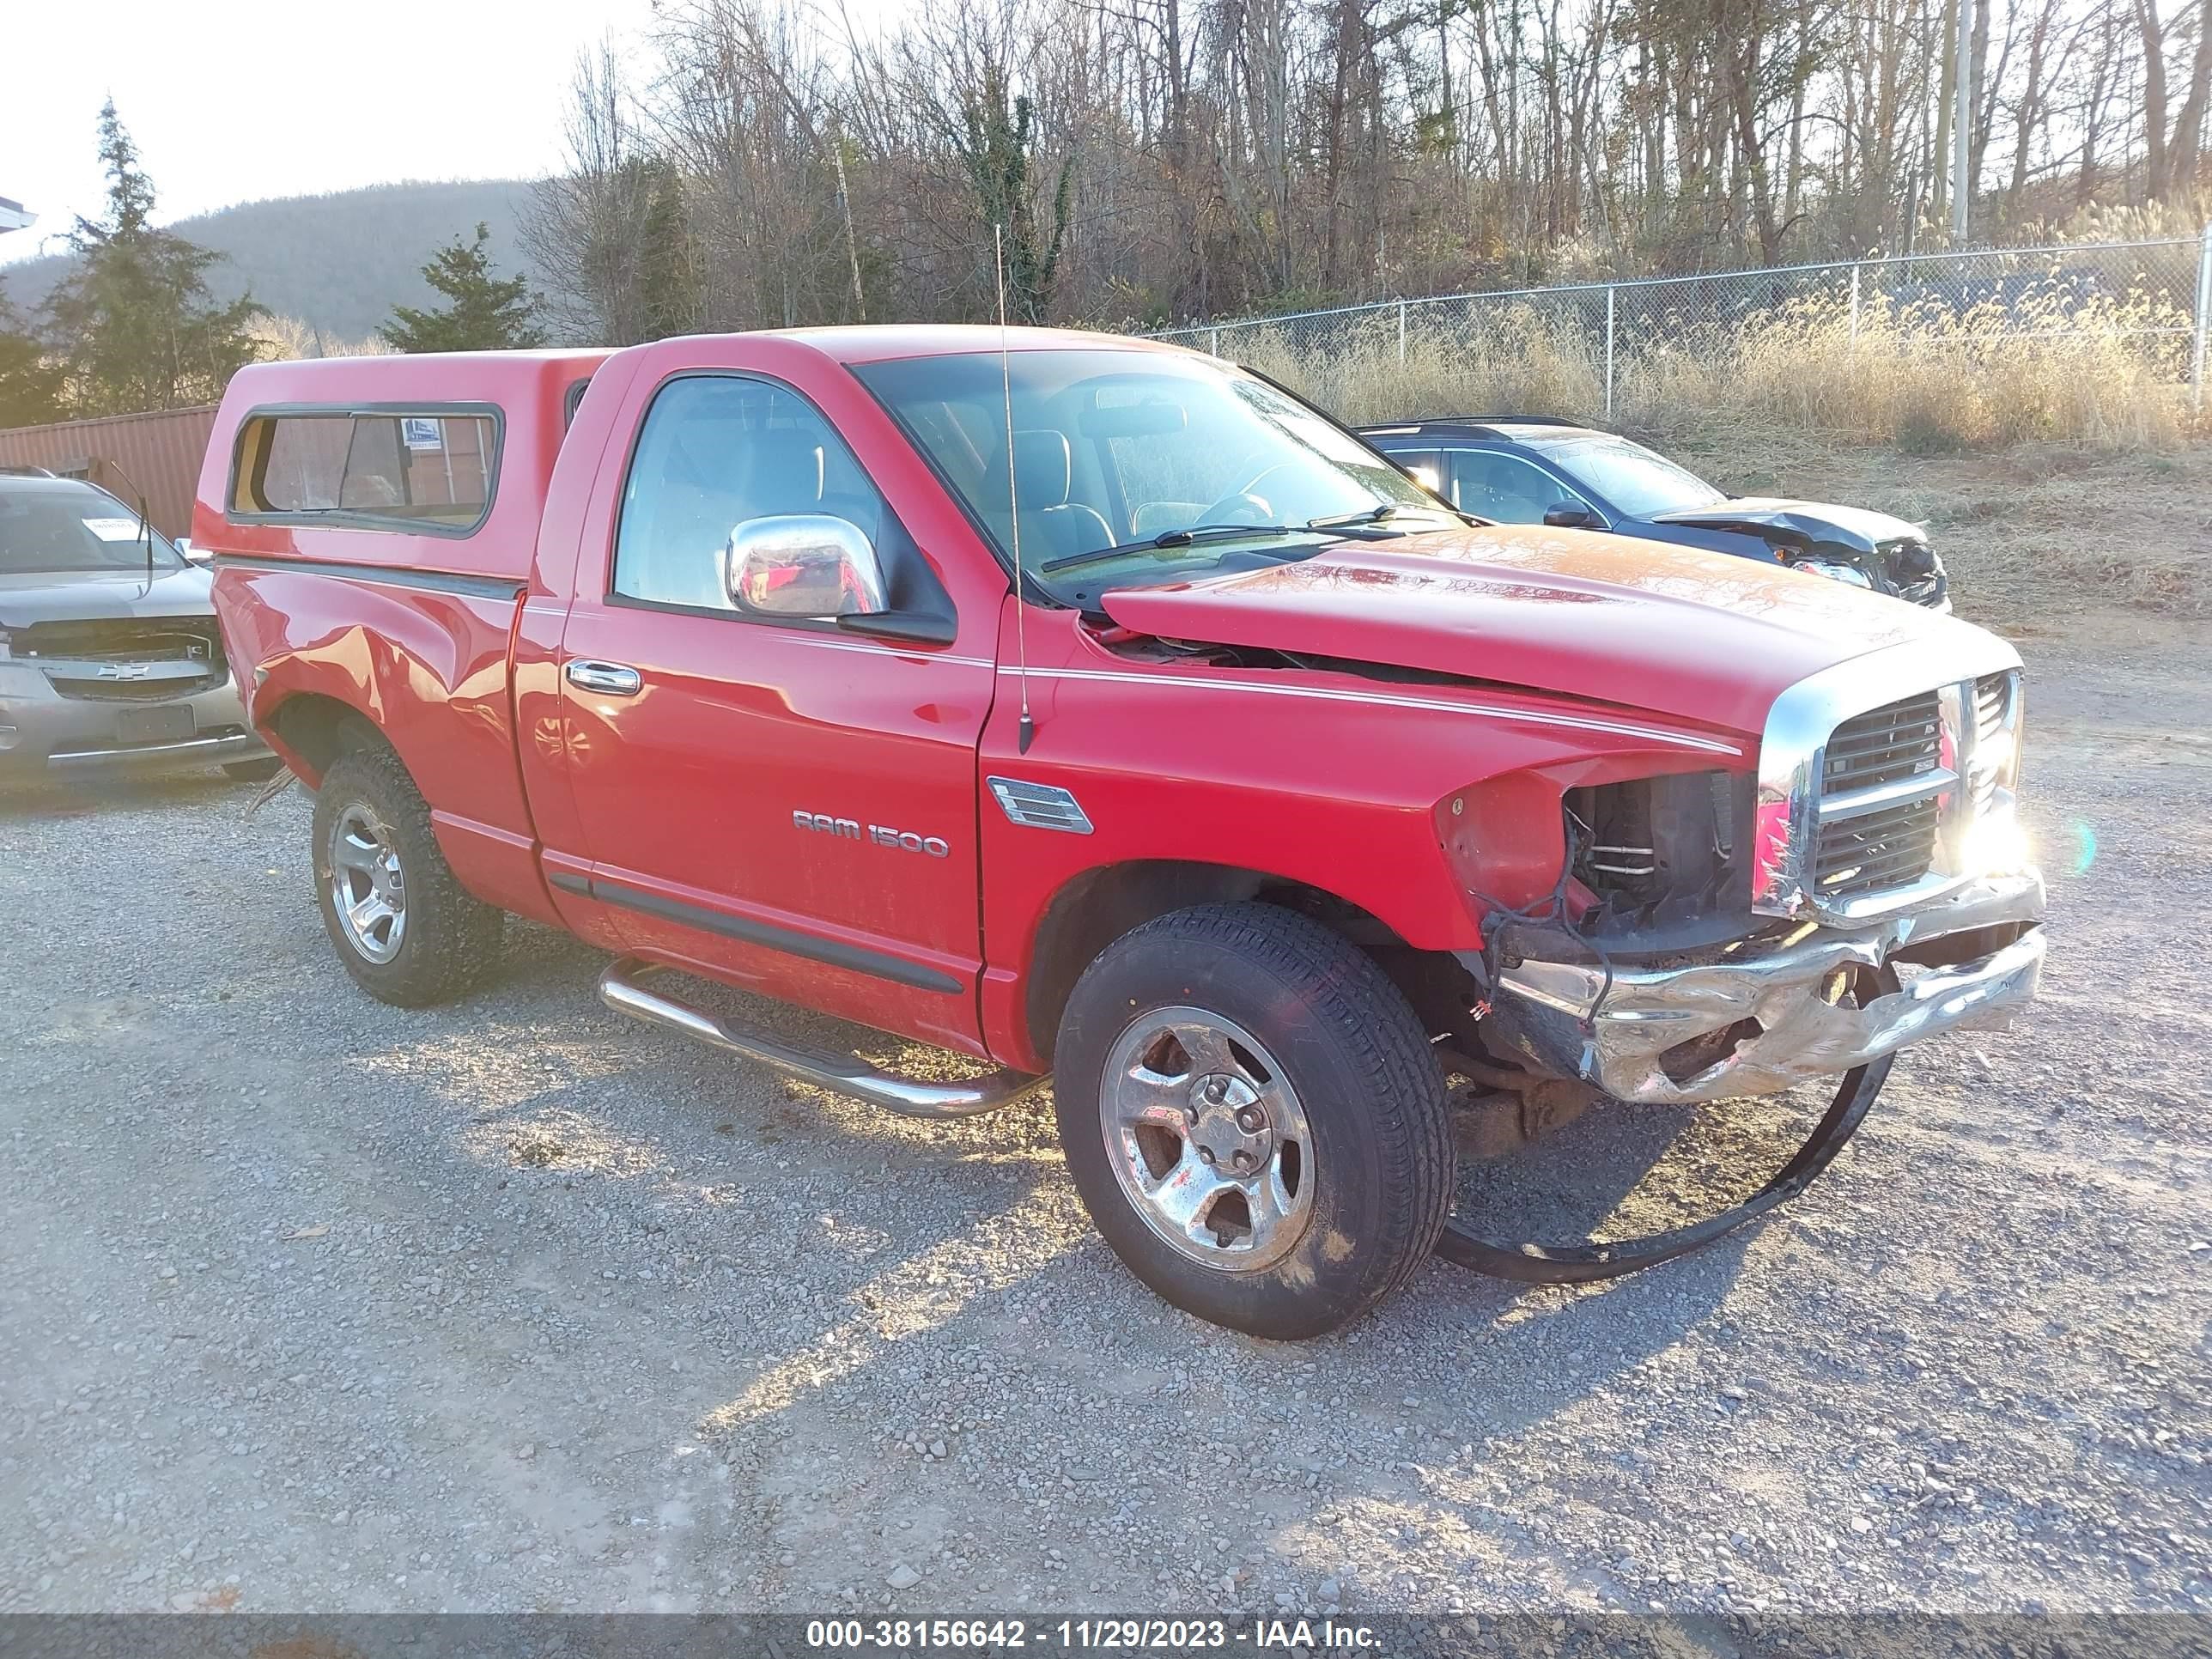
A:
{"x": 369, "y": 890}
{"x": 1207, "y": 1139}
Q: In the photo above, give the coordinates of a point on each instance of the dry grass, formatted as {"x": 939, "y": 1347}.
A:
{"x": 1518, "y": 364}
{"x": 2034, "y": 534}
{"x": 1933, "y": 381}
{"x": 2056, "y": 460}
{"x": 1926, "y": 379}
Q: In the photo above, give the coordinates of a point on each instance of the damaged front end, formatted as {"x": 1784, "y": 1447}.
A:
{"x": 1740, "y": 935}
{"x": 1771, "y": 1012}
{"x": 1869, "y": 550}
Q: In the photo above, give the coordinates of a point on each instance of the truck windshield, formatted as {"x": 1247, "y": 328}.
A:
{"x": 62, "y": 527}
{"x": 1134, "y": 467}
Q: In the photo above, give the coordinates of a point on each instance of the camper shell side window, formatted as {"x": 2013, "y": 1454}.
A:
{"x": 427, "y": 469}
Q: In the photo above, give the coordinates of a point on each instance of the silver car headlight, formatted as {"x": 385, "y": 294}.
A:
{"x": 1842, "y": 572}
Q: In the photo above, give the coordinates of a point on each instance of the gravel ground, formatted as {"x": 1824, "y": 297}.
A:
{"x": 312, "y": 1305}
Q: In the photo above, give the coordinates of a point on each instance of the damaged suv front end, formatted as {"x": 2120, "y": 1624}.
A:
{"x": 1867, "y": 889}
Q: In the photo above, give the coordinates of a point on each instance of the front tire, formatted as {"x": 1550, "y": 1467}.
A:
{"x": 1254, "y": 1119}
{"x": 403, "y": 926}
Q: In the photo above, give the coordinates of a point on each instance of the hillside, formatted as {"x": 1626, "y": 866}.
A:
{"x": 336, "y": 262}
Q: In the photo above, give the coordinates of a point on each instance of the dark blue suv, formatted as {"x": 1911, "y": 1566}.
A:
{"x": 1525, "y": 469}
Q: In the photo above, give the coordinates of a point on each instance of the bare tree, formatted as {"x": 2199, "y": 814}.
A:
{"x": 586, "y": 228}
{"x": 1154, "y": 159}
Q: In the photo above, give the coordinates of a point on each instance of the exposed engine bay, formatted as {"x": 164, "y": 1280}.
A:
{"x": 1657, "y": 860}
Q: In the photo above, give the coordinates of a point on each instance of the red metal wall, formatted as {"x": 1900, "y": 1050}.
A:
{"x": 158, "y": 453}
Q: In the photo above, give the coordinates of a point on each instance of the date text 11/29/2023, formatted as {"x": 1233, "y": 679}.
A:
{"x": 983, "y": 1635}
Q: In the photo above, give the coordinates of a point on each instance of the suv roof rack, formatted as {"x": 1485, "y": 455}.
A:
{"x": 1421, "y": 422}
{"x": 1500, "y": 420}
{"x": 13, "y": 470}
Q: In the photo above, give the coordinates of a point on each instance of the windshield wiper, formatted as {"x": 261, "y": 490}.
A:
{"x": 1384, "y": 510}
{"x": 1167, "y": 541}
{"x": 1375, "y": 515}
{"x": 1368, "y": 522}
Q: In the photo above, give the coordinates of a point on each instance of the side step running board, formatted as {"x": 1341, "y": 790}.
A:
{"x": 621, "y": 987}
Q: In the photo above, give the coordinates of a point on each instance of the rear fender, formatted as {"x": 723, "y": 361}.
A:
{"x": 426, "y": 669}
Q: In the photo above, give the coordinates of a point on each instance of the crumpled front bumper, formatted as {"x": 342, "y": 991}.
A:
{"x": 1648, "y": 1013}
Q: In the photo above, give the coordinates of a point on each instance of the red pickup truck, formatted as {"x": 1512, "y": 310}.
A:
{"x": 1277, "y": 812}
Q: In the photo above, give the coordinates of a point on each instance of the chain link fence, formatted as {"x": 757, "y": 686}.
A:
{"x": 2155, "y": 295}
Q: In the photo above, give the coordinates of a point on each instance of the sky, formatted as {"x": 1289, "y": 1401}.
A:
{"x": 246, "y": 98}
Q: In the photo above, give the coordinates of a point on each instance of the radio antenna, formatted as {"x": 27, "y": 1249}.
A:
{"x": 1013, "y": 494}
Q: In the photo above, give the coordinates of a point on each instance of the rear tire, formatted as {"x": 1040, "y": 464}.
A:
{"x": 401, "y": 923}
{"x": 1254, "y": 1118}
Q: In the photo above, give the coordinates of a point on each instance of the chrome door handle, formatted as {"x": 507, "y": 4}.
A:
{"x": 618, "y": 679}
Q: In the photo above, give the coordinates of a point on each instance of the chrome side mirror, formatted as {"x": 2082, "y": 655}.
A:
{"x": 192, "y": 554}
{"x": 803, "y": 564}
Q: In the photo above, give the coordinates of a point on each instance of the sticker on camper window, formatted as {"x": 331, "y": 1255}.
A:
{"x": 423, "y": 432}
{"x": 113, "y": 530}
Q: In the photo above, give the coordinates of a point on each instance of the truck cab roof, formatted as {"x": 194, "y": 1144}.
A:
{"x": 873, "y": 342}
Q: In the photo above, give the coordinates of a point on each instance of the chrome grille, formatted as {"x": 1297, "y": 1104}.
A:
{"x": 124, "y": 659}
{"x": 1992, "y": 702}
{"x": 1885, "y": 745}
{"x": 1866, "y": 808}
{"x": 1881, "y": 780}
{"x": 1993, "y": 711}
{"x": 1880, "y": 849}
{"x": 94, "y": 689}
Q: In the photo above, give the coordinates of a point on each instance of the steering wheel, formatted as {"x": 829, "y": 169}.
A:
{"x": 1245, "y": 505}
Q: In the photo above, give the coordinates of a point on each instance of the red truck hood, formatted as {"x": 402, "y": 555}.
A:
{"x": 1700, "y": 636}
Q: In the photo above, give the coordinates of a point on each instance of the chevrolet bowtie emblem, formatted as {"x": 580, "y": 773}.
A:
{"x": 124, "y": 671}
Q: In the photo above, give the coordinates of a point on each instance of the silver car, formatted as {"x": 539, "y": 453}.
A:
{"x": 110, "y": 658}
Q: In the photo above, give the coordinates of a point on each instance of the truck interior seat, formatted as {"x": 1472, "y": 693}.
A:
{"x": 1044, "y": 470}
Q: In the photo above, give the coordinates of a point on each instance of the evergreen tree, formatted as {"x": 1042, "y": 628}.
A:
{"x": 30, "y": 374}
{"x": 996, "y": 140}
{"x": 668, "y": 276}
{"x": 481, "y": 314}
{"x": 133, "y": 322}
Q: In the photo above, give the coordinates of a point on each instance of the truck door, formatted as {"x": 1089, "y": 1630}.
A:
{"x": 782, "y": 803}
